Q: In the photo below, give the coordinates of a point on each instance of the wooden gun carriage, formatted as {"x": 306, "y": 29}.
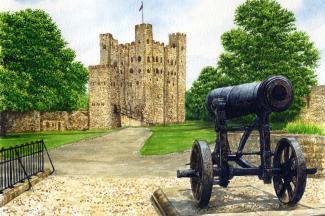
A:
{"x": 285, "y": 165}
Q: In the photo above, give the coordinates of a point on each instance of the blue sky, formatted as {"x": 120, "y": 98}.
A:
{"x": 204, "y": 21}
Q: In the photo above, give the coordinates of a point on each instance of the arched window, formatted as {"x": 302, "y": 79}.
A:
{"x": 131, "y": 59}
{"x": 157, "y": 59}
{"x": 157, "y": 72}
{"x": 147, "y": 41}
{"x": 139, "y": 70}
{"x": 174, "y": 45}
{"x": 137, "y": 82}
{"x": 171, "y": 62}
{"x": 148, "y": 70}
{"x": 148, "y": 59}
{"x": 160, "y": 59}
{"x": 153, "y": 59}
{"x": 182, "y": 47}
{"x": 131, "y": 70}
{"x": 139, "y": 58}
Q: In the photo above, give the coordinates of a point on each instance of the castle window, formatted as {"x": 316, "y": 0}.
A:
{"x": 102, "y": 104}
{"x": 137, "y": 82}
{"x": 104, "y": 83}
{"x": 139, "y": 41}
{"x": 148, "y": 70}
{"x": 130, "y": 84}
{"x": 182, "y": 47}
{"x": 104, "y": 46}
{"x": 114, "y": 84}
{"x": 139, "y": 58}
{"x": 157, "y": 59}
{"x": 139, "y": 70}
{"x": 172, "y": 62}
{"x": 115, "y": 64}
{"x": 121, "y": 62}
{"x": 160, "y": 59}
{"x": 174, "y": 45}
{"x": 148, "y": 59}
{"x": 161, "y": 71}
{"x": 153, "y": 59}
{"x": 131, "y": 70}
{"x": 121, "y": 84}
{"x": 147, "y": 41}
{"x": 157, "y": 71}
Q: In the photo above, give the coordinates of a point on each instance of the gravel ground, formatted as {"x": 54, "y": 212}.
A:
{"x": 85, "y": 195}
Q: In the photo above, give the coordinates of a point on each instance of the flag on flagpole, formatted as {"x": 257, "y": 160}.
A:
{"x": 141, "y": 8}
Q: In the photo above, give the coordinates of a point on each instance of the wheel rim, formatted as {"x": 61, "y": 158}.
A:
{"x": 201, "y": 162}
{"x": 290, "y": 184}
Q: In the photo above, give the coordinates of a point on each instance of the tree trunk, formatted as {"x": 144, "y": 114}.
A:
{"x": 3, "y": 121}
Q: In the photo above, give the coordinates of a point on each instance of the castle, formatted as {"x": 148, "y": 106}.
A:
{"x": 138, "y": 83}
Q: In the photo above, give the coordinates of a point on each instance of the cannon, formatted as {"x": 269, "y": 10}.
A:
{"x": 285, "y": 165}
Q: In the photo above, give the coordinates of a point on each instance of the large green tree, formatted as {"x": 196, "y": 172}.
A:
{"x": 208, "y": 79}
{"x": 38, "y": 71}
{"x": 266, "y": 42}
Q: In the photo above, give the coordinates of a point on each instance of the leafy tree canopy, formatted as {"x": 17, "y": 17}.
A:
{"x": 266, "y": 42}
{"x": 38, "y": 71}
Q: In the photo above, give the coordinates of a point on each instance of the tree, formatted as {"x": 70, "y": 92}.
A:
{"x": 208, "y": 79}
{"x": 266, "y": 42}
{"x": 39, "y": 71}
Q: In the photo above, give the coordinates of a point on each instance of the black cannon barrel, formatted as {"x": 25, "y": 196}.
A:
{"x": 273, "y": 94}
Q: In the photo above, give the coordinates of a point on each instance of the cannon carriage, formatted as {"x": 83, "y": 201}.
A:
{"x": 285, "y": 165}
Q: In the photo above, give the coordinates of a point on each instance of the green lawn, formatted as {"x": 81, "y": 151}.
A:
{"x": 52, "y": 139}
{"x": 177, "y": 138}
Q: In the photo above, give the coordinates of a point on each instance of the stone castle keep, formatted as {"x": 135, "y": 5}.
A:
{"x": 138, "y": 83}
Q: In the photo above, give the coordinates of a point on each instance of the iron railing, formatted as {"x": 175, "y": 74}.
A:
{"x": 20, "y": 162}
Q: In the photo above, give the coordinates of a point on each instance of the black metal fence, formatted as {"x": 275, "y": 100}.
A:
{"x": 20, "y": 162}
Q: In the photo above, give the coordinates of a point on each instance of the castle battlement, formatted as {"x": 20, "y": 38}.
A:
{"x": 140, "y": 82}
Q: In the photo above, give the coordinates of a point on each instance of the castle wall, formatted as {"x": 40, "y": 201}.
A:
{"x": 314, "y": 111}
{"x": 46, "y": 121}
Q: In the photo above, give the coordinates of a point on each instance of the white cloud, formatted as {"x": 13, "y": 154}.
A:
{"x": 81, "y": 22}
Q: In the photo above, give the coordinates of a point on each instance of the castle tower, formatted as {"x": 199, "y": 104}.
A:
{"x": 138, "y": 83}
{"x": 178, "y": 41}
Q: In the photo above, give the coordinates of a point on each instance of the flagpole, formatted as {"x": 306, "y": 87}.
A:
{"x": 142, "y": 12}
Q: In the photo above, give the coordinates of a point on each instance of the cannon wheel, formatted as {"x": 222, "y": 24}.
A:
{"x": 201, "y": 162}
{"x": 290, "y": 184}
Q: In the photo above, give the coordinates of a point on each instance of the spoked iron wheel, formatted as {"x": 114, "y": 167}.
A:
{"x": 290, "y": 184}
{"x": 201, "y": 162}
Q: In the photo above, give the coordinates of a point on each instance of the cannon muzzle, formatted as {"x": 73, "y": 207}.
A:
{"x": 273, "y": 94}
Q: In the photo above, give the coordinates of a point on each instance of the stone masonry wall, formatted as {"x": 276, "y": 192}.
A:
{"x": 145, "y": 80}
{"x": 46, "y": 121}
{"x": 315, "y": 106}
{"x": 312, "y": 146}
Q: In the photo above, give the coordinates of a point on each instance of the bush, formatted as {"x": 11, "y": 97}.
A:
{"x": 299, "y": 127}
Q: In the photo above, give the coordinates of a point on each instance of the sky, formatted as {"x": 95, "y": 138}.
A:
{"x": 204, "y": 21}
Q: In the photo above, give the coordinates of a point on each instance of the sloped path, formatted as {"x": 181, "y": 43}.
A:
{"x": 116, "y": 155}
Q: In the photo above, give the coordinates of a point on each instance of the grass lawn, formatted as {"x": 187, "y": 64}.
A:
{"x": 177, "y": 138}
{"x": 52, "y": 139}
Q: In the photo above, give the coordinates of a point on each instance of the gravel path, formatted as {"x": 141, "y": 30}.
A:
{"x": 85, "y": 195}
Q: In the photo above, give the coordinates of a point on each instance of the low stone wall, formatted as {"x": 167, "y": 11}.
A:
{"x": 312, "y": 146}
{"x": 46, "y": 121}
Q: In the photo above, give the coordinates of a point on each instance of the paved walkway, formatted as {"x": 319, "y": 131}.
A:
{"x": 115, "y": 155}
